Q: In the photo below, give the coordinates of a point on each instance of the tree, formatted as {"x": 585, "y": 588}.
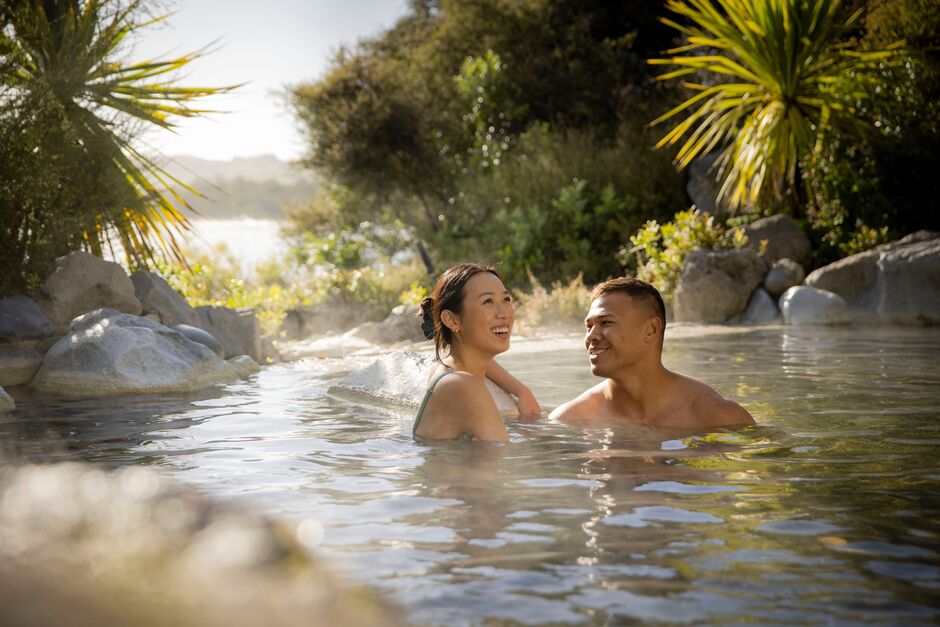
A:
{"x": 71, "y": 173}
{"x": 771, "y": 77}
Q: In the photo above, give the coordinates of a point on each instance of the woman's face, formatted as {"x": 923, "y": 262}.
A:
{"x": 488, "y": 314}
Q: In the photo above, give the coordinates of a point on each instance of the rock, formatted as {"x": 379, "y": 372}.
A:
{"x": 897, "y": 282}
{"x": 783, "y": 274}
{"x": 703, "y": 184}
{"x": 236, "y": 329}
{"x": 202, "y": 337}
{"x": 18, "y": 365}
{"x": 81, "y": 283}
{"x": 269, "y": 352}
{"x": 300, "y": 323}
{"x": 785, "y": 239}
{"x": 107, "y": 352}
{"x": 400, "y": 325}
{"x": 808, "y": 305}
{"x": 157, "y": 297}
{"x": 761, "y": 309}
{"x": 716, "y": 285}
{"x": 399, "y": 380}
{"x": 6, "y": 401}
{"x": 22, "y": 319}
{"x": 81, "y": 546}
{"x": 244, "y": 365}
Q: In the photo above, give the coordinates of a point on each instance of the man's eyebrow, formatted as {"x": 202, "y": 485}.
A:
{"x": 600, "y": 315}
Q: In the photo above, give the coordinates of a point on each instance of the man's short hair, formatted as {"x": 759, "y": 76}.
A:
{"x": 640, "y": 291}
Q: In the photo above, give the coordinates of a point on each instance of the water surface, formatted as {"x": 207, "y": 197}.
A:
{"x": 826, "y": 512}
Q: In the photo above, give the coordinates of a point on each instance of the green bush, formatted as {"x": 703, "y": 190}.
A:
{"x": 661, "y": 249}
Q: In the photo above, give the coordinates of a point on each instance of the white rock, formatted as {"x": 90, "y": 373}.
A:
{"x": 107, "y": 352}
{"x": 399, "y": 380}
{"x": 808, "y": 305}
{"x": 81, "y": 283}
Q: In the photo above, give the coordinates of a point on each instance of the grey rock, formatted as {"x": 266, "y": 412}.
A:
{"x": 236, "y": 329}
{"x": 894, "y": 283}
{"x": 783, "y": 274}
{"x": 400, "y": 325}
{"x": 22, "y": 319}
{"x": 18, "y": 365}
{"x": 81, "y": 283}
{"x": 82, "y": 546}
{"x": 269, "y": 352}
{"x": 107, "y": 352}
{"x": 785, "y": 239}
{"x": 6, "y": 401}
{"x": 244, "y": 365}
{"x": 716, "y": 285}
{"x": 303, "y": 322}
{"x": 703, "y": 184}
{"x": 808, "y": 305}
{"x": 203, "y": 337}
{"x": 157, "y": 297}
{"x": 761, "y": 309}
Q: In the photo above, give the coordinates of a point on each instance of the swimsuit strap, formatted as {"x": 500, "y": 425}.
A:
{"x": 427, "y": 395}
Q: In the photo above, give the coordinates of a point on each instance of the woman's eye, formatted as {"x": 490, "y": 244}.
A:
{"x": 488, "y": 301}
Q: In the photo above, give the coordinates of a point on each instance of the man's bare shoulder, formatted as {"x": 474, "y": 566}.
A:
{"x": 583, "y": 407}
{"x": 708, "y": 408}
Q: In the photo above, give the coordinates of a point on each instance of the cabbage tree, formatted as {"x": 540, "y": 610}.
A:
{"x": 770, "y": 77}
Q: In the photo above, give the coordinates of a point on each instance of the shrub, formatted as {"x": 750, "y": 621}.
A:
{"x": 564, "y": 305}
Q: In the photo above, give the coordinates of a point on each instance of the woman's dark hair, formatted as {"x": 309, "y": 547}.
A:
{"x": 449, "y": 292}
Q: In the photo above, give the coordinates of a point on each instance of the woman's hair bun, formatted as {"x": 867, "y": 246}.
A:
{"x": 427, "y": 317}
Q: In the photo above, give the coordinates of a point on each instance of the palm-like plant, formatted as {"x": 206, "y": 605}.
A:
{"x": 778, "y": 75}
{"x": 60, "y": 63}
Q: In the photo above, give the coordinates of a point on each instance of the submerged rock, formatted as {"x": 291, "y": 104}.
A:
{"x": 897, "y": 282}
{"x": 107, "y": 352}
{"x": 130, "y": 548}
{"x": 399, "y": 380}
{"x": 808, "y": 305}
{"x": 716, "y": 285}
{"x": 18, "y": 365}
{"x": 785, "y": 239}
{"x": 6, "y": 401}
{"x": 22, "y": 319}
{"x": 81, "y": 283}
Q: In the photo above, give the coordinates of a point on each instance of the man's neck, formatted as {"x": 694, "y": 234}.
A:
{"x": 638, "y": 390}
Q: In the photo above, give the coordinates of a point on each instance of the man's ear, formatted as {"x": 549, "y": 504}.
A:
{"x": 653, "y": 329}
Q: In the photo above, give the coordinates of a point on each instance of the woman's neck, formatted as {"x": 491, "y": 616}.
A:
{"x": 469, "y": 360}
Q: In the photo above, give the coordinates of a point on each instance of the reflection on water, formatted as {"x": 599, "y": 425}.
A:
{"x": 825, "y": 512}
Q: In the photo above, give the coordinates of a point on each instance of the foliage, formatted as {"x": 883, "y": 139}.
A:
{"x": 563, "y": 305}
{"x": 774, "y": 83}
{"x": 661, "y": 249}
{"x": 70, "y": 108}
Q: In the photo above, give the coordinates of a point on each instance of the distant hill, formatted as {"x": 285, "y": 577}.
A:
{"x": 252, "y": 187}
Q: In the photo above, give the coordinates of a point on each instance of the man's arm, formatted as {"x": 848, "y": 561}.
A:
{"x": 583, "y": 407}
{"x": 717, "y": 411}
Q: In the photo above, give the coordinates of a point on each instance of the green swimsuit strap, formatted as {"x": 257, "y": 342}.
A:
{"x": 427, "y": 395}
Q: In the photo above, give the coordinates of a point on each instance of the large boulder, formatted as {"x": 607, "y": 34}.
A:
{"x": 22, "y": 319}
{"x": 897, "y": 282}
{"x": 6, "y": 401}
{"x": 761, "y": 309}
{"x": 236, "y": 329}
{"x": 303, "y": 322}
{"x": 400, "y": 325}
{"x": 785, "y": 239}
{"x": 107, "y": 352}
{"x": 399, "y": 381}
{"x": 81, "y": 283}
{"x": 808, "y": 305}
{"x": 157, "y": 297}
{"x": 703, "y": 184}
{"x": 783, "y": 274}
{"x": 18, "y": 364}
{"x": 716, "y": 285}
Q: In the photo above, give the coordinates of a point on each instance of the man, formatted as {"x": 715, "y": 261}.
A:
{"x": 624, "y": 340}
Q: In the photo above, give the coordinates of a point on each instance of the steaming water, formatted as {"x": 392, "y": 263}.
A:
{"x": 827, "y": 512}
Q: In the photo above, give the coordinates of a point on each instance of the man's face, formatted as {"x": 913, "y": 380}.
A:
{"x": 615, "y": 333}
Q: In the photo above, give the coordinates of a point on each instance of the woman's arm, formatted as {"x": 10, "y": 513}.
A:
{"x": 528, "y": 405}
{"x": 461, "y": 404}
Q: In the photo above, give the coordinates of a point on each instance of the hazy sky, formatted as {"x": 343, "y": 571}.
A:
{"x": 265, "y": 44}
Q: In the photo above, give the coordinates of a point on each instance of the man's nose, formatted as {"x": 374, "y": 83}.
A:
{"x": 591, "y": 333}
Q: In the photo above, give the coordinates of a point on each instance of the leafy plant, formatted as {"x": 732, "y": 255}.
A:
{"x": 771, "y": 81}
{"x": 661, "y": 249}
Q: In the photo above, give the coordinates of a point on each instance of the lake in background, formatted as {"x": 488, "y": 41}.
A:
{"x": 250, "y": 240}
{"x": 826, "y": 512}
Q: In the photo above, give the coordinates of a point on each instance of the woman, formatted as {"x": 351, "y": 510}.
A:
{"x": 470, "y": 315}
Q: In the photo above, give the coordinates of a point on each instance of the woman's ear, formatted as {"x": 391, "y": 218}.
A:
{"x": 450, "y": 320}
